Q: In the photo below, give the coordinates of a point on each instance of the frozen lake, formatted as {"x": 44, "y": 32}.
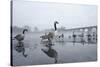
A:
{"x": 67, "y": 52}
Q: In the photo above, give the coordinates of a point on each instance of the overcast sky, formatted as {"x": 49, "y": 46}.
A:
{"x": 43, "y": 15}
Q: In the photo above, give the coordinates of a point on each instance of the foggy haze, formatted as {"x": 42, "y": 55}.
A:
{"x": 43, "y": 15}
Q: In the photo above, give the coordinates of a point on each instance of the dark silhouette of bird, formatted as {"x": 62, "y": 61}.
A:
{"x": 55, "y": 25}
{"x": 20, "y": 37}
{"x": 20, "y": 48}
{"x": 51, "y": 53}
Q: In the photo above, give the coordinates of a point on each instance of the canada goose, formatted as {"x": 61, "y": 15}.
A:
{"x": 48, "y": 36}
{"x": 44, "y": 37}
{"x": 57, "y": 35}
{"x": 52, "y": 35}
{"x": 20, "y": 37}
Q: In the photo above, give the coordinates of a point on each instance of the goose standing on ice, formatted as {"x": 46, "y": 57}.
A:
{"x": 53, "y": 35}
{"x": 20, "y": 46}
{"x": 20, "y": 37}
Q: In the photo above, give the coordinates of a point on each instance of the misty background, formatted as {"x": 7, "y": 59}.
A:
{"x": 76, "y": 33}
{"x": 41, "y": 16}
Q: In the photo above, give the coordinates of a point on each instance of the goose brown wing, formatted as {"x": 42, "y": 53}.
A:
{"x": 19, "y": 37}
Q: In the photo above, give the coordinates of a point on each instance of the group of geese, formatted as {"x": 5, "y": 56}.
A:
{"x": 53, "y": 35}
{"x": 49, "y": 36}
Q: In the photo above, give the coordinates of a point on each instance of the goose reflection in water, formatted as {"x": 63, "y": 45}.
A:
{"x": 51, "y": 53}
{"x": 20, "y": 48}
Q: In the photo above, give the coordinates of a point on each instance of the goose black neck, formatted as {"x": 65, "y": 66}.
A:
{"x": 55, "y": 26}
{"x": 23, "y": 31}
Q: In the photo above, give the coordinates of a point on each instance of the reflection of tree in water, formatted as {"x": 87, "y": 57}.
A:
{"x": 50, "y": 52}
{"x": 20, "y": 48}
